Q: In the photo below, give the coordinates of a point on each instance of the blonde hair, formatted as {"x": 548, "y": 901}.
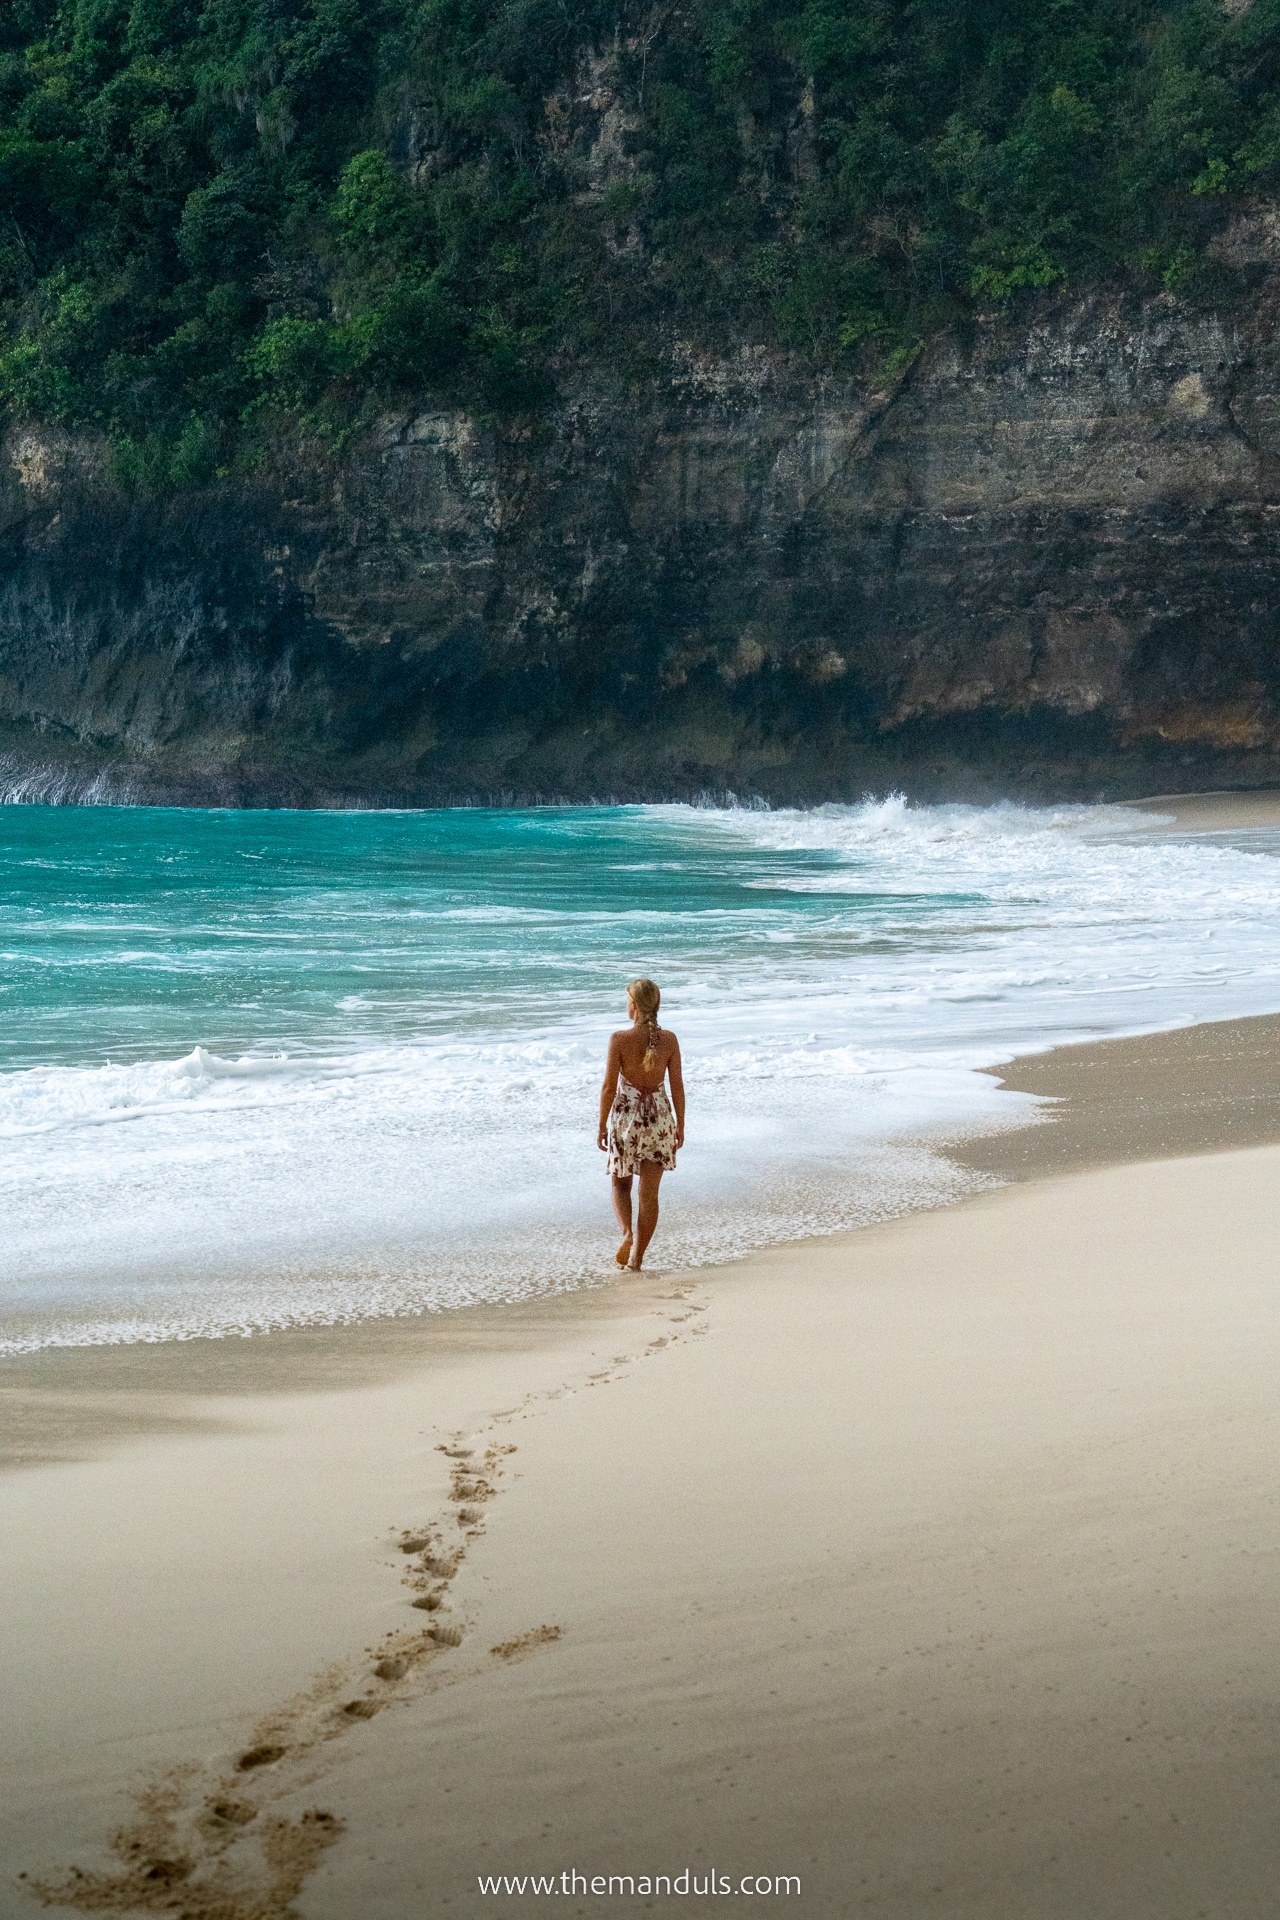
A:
{"x": 646, "y": 998}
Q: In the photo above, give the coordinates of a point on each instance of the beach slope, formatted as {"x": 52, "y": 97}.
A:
{"x": 934, "y": 1566}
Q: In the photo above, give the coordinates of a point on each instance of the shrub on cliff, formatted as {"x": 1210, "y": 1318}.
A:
{"x": 214, "y": 213}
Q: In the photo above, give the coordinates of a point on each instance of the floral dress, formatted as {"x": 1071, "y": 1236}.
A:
{"x": 641, "y": 1127}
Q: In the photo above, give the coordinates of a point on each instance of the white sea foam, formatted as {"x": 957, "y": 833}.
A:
{"x": 831, "y": 1017}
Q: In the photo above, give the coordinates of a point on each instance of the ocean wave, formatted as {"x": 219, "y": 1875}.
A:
{"x": 372, "y": 1088}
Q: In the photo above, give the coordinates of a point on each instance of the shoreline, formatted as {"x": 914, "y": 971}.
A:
{"x": 1209, "y": 1088}
{"x": 318, "y": 1353}
{"x": 931, "y": 1563}
{"x": 967, "y": 1608}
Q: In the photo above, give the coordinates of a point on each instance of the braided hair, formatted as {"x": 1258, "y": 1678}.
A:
{"x": 646, "y": 999}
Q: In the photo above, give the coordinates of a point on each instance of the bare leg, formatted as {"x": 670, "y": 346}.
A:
{"x": 650, "y": 1177}
{"x": 621, "y": 1190}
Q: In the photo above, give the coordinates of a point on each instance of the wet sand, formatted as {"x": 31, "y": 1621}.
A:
{"x": 1202, "y": 1089}
{"x": 934, "y": 1564}
{"x": 1213, "y": 812}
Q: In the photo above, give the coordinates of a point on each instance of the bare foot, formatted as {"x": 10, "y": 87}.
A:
{"x": 622, "y": 1256}
{"x": 632, "y": 1266}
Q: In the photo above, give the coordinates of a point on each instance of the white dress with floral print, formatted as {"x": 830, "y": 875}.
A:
{"x": 641, "y": 1127}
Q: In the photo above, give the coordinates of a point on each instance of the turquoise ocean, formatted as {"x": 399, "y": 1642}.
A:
{"x": 261, "y": 1069}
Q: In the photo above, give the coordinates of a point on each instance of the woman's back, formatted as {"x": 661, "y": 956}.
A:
{"x": 633, "y": 1049}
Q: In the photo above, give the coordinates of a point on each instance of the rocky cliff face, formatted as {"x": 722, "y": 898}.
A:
{"x": 1046, "y": 563}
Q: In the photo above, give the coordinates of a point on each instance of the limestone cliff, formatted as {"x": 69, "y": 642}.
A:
{"x": 1046, "y": 562}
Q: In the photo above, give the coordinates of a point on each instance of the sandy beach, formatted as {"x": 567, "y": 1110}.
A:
{"x": 932, "y": 1567}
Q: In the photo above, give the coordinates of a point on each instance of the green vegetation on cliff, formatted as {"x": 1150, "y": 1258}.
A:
{"x": 213, "y": 212}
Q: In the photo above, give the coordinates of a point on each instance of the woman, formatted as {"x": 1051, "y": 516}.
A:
{"x": 638, "y": 1130}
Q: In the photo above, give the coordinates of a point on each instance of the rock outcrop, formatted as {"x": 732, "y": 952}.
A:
{"x": 1045, "y": 562}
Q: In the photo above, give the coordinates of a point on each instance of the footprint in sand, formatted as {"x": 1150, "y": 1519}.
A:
{"x": 440, "y": 1569}
{"x": 414, "y": 1542}
{"x": 360, "y": 1709}
{"x": 428, "y": 1602}
{"x": 468, "y": 1516}
{"x": 525, "y": 1643}
{"x": 231, "y": 1813}
{"x": 262, "y": 1756}
{"x": 166, "y": 1873}
{"x": 394, "y": 1668}
{"x": 447, "y": 1636}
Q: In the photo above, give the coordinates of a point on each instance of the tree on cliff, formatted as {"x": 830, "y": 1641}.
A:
{"x": 218, "y": 214}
